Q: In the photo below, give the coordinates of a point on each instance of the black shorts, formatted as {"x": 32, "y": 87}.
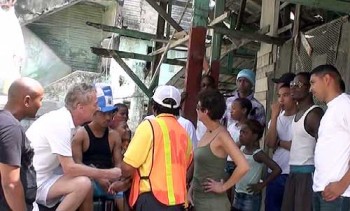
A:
{"x": 298, "y": 192}
{"x": 147, "y": 202}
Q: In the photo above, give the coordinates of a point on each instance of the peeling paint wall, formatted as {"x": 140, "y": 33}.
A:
{"x": 41, "y": 62}
{"x": 29, "y": 10}
{"x": 67, "y": 34}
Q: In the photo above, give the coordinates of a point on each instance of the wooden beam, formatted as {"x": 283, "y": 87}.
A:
{"x": 128, "y": 55}
{"x": 283, "y": 5}
{"x": 296, "y": 24}
{"x": 176, "y": 2}
{"x": 338, "y": 6}
{"x": 243, "y": 42}
{"x": 165, "y": 15}
{"x": 253, "y": 18}
{"x": 132, "y": 75}
{"x": 250, "y": 35}
{"x": 123, "y": 32}
{"x": 306, "y": 44}
{"x": 172, "y": 45}
{"x": 233, "y": 47}
{"x": 240, "y": 14}
{"x": 219, "y": 19}
{"x": 285, "y": 28}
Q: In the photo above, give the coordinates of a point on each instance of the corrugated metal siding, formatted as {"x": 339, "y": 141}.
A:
{"x": 70, "y": 38}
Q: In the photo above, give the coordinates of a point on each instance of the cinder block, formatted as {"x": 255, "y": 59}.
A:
{"x": 261, "y": 85}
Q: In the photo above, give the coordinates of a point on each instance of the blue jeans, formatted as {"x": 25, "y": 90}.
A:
{"x": 274, "y": 193}
{"x": 247, "y": 202}
{"x": 339, "y": 204}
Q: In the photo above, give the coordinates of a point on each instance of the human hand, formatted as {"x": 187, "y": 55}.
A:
{"x": 118, "y": 186}
{"x": 212, "y": 186}
{"x": 275, "y": 109}
{"x": 255, "y": 188}
{"x": 113, "y": 173}
{"x": 333, "y": 190}
{"x": 104, "y": 183}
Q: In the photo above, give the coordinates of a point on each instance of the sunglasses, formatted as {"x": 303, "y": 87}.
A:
{"x": 297, "y": 84}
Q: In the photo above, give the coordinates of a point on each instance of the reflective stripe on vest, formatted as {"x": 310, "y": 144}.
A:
{"x": 168, "y": 165}
{"x": 167, "y": 188}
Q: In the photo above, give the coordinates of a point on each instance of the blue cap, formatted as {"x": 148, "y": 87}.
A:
{"x": 248, "y": 74}
{"x": 105, "y": 98}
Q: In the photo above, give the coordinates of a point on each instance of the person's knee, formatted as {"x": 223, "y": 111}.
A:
{"x": 83, "y": 184}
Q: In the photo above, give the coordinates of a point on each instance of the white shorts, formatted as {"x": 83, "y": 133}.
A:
{"x": 43, "y": 190}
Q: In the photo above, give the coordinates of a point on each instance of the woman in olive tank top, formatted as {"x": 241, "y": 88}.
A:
{"x": 208, "y": 190}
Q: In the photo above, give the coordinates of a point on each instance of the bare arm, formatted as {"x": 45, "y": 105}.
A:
{"x": 334, "y": 189}
{"x": 227, "y": 144}
{"x": 77, "y": 145}
{"x": 75, "y": 169}
{"x": 271, "y": 134}
{"x": 127, "y": 170}
{"x": 12, "y": 187}
{"x": 312, "y": 121}
{"x": 242, "y": 166}
{"x": 261, "y": 157}
{"x": 285, "y": 144}
{"x": 117, "y": 148}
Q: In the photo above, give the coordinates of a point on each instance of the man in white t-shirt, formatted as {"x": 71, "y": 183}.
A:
{"x": 332, "y": 152}
{"x": 279, "y": 137}
{"x": 59, "y": 178}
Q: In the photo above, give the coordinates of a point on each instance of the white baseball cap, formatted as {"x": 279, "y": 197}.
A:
{"x": 167, "y": 92}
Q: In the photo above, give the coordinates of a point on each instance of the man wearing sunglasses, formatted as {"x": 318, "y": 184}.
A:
{"x": 298, "y": 188}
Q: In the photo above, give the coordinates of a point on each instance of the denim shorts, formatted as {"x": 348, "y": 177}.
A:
{"x": 247, "y": 202}
{"x": 100, "y": 192}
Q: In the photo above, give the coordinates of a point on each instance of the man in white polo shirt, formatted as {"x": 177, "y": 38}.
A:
{"x": 59, "y": 178}
{"x": 332, "y": 152}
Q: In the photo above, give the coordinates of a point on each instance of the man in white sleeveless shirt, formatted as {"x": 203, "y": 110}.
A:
{"x": 332, "y": 153}
{"x": 298, "y": 189}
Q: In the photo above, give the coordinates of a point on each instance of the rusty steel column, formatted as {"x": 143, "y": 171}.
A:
{"x": 196, "y": 54}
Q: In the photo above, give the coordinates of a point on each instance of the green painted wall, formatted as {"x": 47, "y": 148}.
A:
{"x": 66, "y": 33}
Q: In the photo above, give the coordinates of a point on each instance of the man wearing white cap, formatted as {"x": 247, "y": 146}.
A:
{"x": 158, "y": 157}
{"x": 245, "y": 84}
{"x": 59, "y": 178}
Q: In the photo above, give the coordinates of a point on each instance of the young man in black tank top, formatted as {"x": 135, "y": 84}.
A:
{"x": 298, "y": 188}
{"x": 96, "y": 145}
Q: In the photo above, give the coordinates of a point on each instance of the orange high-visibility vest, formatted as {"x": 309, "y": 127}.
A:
{"x": 171, "y": 156}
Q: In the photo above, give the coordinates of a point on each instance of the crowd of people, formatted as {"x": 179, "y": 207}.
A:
{"x": 85, "y": 150}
